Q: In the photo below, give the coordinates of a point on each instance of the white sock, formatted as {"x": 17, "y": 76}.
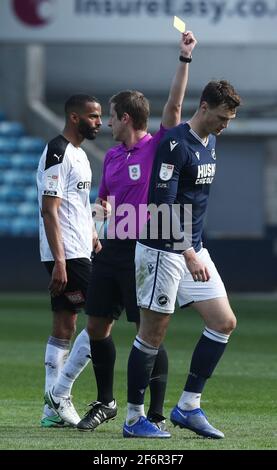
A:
{"x": 189, "y": 401}
{"x": 134, "y": 412}
{"x": 216, "y": 335}
{"x": 112, "y": 404}
{"x": 77, "y": 360}
{"x": 55, "y": 355}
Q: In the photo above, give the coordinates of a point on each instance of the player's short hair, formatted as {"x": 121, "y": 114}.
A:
{"x": 220, "y": 92}
{"x": 133, "y": 103}
{"x": 76, "y": 103}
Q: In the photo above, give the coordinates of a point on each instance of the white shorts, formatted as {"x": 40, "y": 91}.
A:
{"x": 162, "y": 276}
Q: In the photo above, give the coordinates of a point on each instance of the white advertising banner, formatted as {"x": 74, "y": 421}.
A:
{"x": 138, "y": 21}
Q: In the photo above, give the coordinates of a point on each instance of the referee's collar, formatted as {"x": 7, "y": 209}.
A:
{"x": 140, "y": 143}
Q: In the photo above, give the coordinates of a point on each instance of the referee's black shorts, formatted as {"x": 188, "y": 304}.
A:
{"x": 73, "y": 297}
{"x": 112, "y": 286}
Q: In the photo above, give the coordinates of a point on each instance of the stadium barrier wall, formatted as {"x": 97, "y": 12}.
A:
{"x": 245, "y": 265}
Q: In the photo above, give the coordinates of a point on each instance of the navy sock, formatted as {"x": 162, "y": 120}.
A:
{"x": 140, "y": 366}
{"x": 103, "y": 356}
{"x": 204, "y": 360}
{"x": 157, "y": 383}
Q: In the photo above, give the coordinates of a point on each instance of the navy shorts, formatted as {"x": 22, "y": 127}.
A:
{"x": 73, "y": 297}
{"x": 112, "y": 286}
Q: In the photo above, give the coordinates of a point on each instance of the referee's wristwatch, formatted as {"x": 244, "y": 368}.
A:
{"x": 187, "y": 60}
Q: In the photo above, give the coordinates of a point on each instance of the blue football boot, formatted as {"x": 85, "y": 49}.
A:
{"x": 144, "y": 428}
{"x": 194, "y": 420}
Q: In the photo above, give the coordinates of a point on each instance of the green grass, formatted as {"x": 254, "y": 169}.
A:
{"x": 240, "y": 399}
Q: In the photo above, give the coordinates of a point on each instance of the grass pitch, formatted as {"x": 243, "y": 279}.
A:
{"x": 240, "y": 399}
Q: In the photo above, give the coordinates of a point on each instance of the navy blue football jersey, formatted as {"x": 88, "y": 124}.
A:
{"x": 183, "y": 171}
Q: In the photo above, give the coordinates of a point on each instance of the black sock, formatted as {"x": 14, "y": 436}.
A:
{"x": 204, "y": 360}
{"x": 157, "y": 383}
{"x": 140, "y": 366}
{"x": 103, "y": 356}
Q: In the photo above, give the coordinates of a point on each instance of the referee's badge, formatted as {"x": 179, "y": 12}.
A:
{"x": 213, "y": 154}
{"x": 134, "y": 172}
{"x": 166, "y": 171}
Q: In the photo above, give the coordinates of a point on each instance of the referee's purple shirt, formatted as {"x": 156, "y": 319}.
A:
{"x": 126, "y": 176}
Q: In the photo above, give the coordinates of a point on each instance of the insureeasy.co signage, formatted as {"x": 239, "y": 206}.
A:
{"x": 138, "y": 21}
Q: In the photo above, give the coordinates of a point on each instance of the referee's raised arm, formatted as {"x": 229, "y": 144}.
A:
{"x": 172, "y": 110}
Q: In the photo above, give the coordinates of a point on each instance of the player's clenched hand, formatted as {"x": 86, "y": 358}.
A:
{"x": 187, "y": 44}
{"x": 197, "y": 269}
{"x": 59, "y": 279}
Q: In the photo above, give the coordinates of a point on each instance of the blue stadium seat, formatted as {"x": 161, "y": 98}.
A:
{"x": 24, "y": 226}
{"x": 25, "y": 161}
{"x": 5, "y": 161}
{"x": 19, "y": 158}
{"x": 11, "y": 129}
{"x": 3, "y": 193}
{"x": 8, "y": 144}
{"x": 8, "y": 210}
{"x": 30, "y": 144}
{"x": 28, "y": 178}
{"x": 31, "y": 193}
{"x": 10, "y": 193}
{"x": 19, "y": 178}
{"x": 27, "y": 209}
{"x": 2, "y": 177}
{"x": 5, "y": 225}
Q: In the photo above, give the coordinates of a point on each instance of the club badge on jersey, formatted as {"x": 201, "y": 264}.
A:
{"x": 134, "y": 172}
{"x": 166, "y": 171}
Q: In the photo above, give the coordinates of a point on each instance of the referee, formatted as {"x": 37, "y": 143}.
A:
{"x": 126, "y": 176}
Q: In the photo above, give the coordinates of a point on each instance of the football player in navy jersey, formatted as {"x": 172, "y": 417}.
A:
{"x": 183, "y": 171}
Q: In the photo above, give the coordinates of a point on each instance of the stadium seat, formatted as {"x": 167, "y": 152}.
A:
{"x": 10, "y": 193}
{"x": 24, "y": 226}
{"x": 3, "y": 193}
{"x": 19, "y": 178}
{"x": 8, "y": 210}
{"x": 30, "y": 144}
{"x": 8, "y": 144}
{"x": 28, "y": 209}
{"x": 19, "y": 157}
{"x": 5, "y": 225}
{"x": 5, "y": 161}
{"x": 25, "y": 161}
{"x": 31, "y": 193}
{"x": 11, "y": 129}
{"x": 2, "y": 177}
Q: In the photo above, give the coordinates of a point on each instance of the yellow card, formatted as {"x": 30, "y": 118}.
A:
{"x": 179, "y": 24}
